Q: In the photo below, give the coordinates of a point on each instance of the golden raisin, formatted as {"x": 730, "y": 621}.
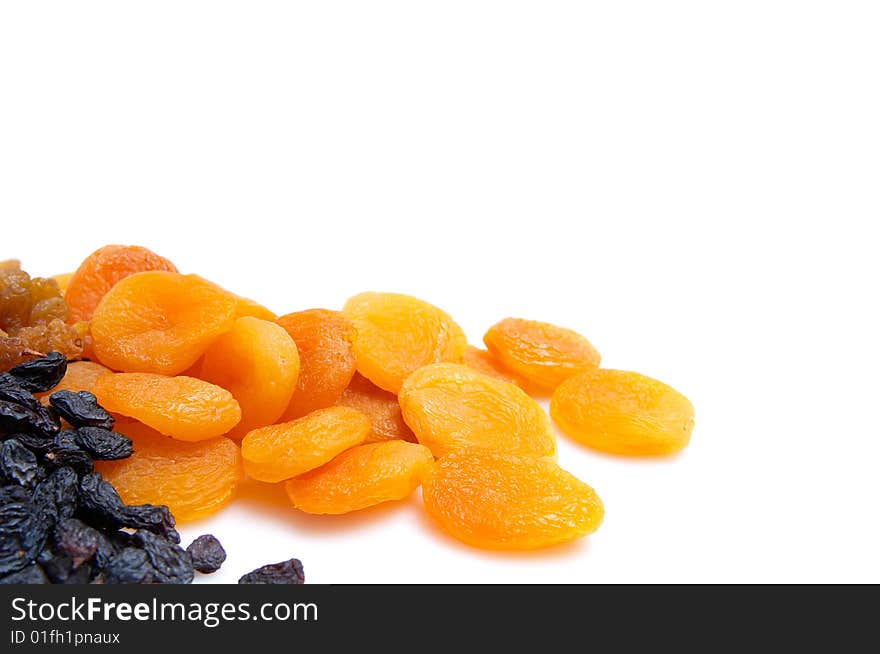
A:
{"x": 184, "y": 408}
{"x": 258, "y": 363}
{"x": 541, "y": 353}
{"x": 449, "y": 406}
{"x": 361, "y": 477}
{"x": 278, "y": 452}
{"x": 397, "y": 334}
{"x": 159, "y": 322}
{"x": 192, "y": 479}
{"x": 381, "y": 407}
{"x": 496, "y": 500}
{"x": 623, "y": 413}
{"x": 102, "y": 269}
{"x": 327, "y": 362}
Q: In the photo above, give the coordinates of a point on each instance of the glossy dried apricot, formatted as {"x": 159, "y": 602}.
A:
{"x": 485, "y": 362}
{"x": 101, "y": 270}
{"x": 381, "y": 407}
{"x": 361, "y": 477}
{"x": 184, "y": 408}
{"x": 539, "y": 352}
{"x": 159, "y": 322}
{"x": 449, "y": 406}
{"x": 397, "y": 334}
{"x": 258, "y": 363}
{"x": 192, "y": 479}
{"x": 279, "y": 452}
{"x": 496, "y": 500}
{"x": 247, "y": 307}
{"x": 327, "y": 362}
{"x": 623, "y": 412}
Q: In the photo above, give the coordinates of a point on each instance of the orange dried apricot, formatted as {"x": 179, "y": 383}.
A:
{"x": 159, "y": 322}
{"x": 361, "y": 477}
{"x": 258, "y": 363}
{"x": 247, "y": 307}
{"x": 623, "y": 412}
{"x": 192, "y": 479}
{"x": 381, "y": 407}
{"x": 184, "y": 408}
{"x": 327, "y": 362}
{"x": 278, "y": 452}
{"x": 101, "y": 270}
{"x": 397, "y": 334}
{"x": 541, "y": 353}
{"x": 80, "y": 376}
{"x": 497, "y": 500}
{"x": 485, "y": 362}
{"x": 449, "y": 406}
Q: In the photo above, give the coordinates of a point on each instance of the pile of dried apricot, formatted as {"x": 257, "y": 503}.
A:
{"x": 354, "y": 407}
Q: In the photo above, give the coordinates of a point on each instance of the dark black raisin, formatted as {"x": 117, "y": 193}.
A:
{"x": 103, "y": 444}
{"x": 75, "y": 539}
{"x": 65, "y": 451}
{"x": 18, "y": 465}
{"x": 16, "y": 418}
{"x": 207, "y": 553}
{"x": 11, "y": 391}
{"x": 57, "y": 567}
{"x": 56, "y": 496}
{"x": 80, "y": 409}
{"x": 171, "y": 562}
{"x": 22, "y": 530}
{"x": 41, "y": 375}
{"x": 129, "y": 566}
{"x": 286, "y": 572}
{"x": 105, "y": 550}
{"x": 155, "y": 518}
{"x": 32, "y": 574}
{"x": 38, "y": 444}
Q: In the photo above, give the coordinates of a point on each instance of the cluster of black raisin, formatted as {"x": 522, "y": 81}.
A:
{"x": 60, "y": 522}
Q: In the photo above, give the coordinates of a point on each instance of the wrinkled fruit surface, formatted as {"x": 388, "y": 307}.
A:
{"x": 360, "y": 477}
{"x": 543, "y": 354}
{"x": 80, "y": 376}
{"x": 450, "y": 406}
{"x": 184, "y": 408}
{"x": 102, "y": 269}
{"x": 159, "y": 322}
{"x": 397, "y": 334}
{"x": 623, "y": 412}
{"x": 282, "y": 451}
{"x": 327, "y": 362}
{"x": 257, "y": 361}
{"x": 381, "y": 407}
{"x": 495, "y": 500}
{"x": 286, "y": 572}
{"x": 485, "y": 362}
{"x": 192, "y": 479}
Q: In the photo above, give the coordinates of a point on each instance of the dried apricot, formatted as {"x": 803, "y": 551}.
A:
{"x": 541, "y": 353}
{"x": 623, "y": 413}
{"x": 192, "y": 479}
{"x": 496, "y": 500}
{"x": 247, "y": 307}
{"x": 381, "y": 407}
{"x": 449, "y": 406}
{"x": 159, "y": 322}
{"x": 485, "y": 362}
{"x": 327, "y": 362}
{"x": 258, "y": 363}
{"x": 101, "y": 270}
{"x": 361, "y": 477}
{"x": 184, "y": 408}
{"x": 279, "y": 452}
{"x": 396, "y": 334}
{"x": 80, "y": 376}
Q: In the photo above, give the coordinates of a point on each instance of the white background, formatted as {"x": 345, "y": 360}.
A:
{"x": 692, "y": 185}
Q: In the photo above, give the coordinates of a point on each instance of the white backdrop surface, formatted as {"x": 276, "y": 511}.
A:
{"x": 691, "y": 185}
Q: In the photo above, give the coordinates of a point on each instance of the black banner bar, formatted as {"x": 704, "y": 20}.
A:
{"x": 277, "y": 618}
